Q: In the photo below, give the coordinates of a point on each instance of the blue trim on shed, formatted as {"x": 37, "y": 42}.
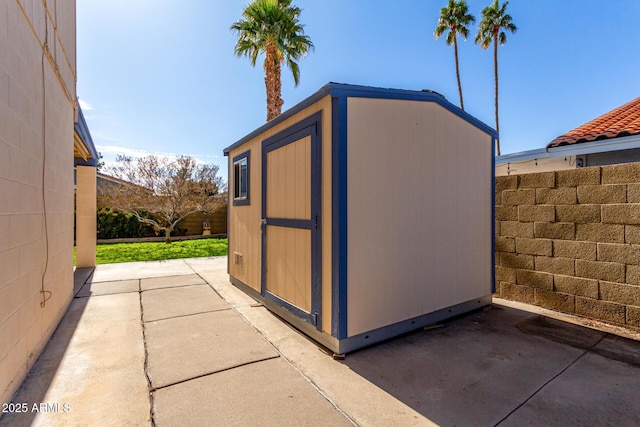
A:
{"x": 290, "y": 223}
{"x": 229, "y": 235}
{"x": 339, "y": 96}
{"x": 246, "y": 201}
{"x": 324, "y": 91}
{"x": 341, "y": 90}
{"x": 493, "y": 215}
{"x": 339, "y": 220}
{"x": 354, "y": 91}
{"x": 393, "y": 330}
{"x": 310, "y": 126}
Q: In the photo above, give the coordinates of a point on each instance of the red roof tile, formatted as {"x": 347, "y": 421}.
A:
{"x": 622, "y": 121}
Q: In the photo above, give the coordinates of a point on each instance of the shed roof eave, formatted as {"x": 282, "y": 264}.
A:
{"x": 321, "y": 93}
{"x": 348, "y": 90}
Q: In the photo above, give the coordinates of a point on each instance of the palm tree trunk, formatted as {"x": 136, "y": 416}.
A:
{"x": 278, "y": 88}
{"x": 272, "y": 82}
{"x": 495, "y": 76}
{"x": 455, "y": 50}
{"x": 269, "y": 81}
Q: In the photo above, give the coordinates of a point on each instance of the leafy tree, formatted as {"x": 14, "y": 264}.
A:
{"x": 494, "y": 21}
{"x": 455, "y": 18}
{"x": 161, "y": 192}
{"x": 271, "y": 27}
{"x": 100, "y": 163}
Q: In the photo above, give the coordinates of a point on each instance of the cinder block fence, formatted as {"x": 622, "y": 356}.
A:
{"x": 570, "y": 241}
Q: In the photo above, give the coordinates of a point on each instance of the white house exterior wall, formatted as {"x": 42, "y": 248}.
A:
{"x": 36, "y": 212}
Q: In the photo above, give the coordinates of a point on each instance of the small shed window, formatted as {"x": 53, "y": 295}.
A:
{"x": 241, "y": 179}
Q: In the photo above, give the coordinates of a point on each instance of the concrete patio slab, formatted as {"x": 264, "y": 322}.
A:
{"x": 92, "y": 370}
{"x": 267, "y": 393}
{"x": 183, "y": 348}
{"x": 481, "y": 362}
{"x": 109, "y": 288}
{"x": 514, "y": 364}
{"x": 572, "y": 398}
{"x": 360, "y": 399}
{"x": 171, "y": 282}
{"x": 141, "y": 270}
{"x": 171, "y": 302}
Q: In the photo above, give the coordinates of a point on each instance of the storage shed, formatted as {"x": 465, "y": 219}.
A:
{"x": 362, "y": 213}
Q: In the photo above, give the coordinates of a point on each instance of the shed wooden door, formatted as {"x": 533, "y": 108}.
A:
{"x": 291, "y": 224}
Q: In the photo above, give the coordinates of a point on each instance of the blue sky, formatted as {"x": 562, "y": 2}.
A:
{"x": 160, "y": 76}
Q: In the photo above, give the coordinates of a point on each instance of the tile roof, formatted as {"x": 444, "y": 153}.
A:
{"x": 622, "y": 121}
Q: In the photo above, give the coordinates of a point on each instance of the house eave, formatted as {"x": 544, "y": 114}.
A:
{"x": 600, "y": 146}
{"x": 539, "y": 153}
{"x": 84, "y": 151}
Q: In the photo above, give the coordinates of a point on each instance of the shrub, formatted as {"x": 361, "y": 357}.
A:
{"x": 114, "y": 225}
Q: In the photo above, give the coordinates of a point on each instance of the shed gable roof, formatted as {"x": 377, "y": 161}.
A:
{"x": 622, "y": 121}
{"x": 341, "y": 90}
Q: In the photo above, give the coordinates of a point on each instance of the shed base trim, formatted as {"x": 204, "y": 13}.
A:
{"x": 387, "y": 332}
{"x": 308, "y": 329}
{"x": 365, "y": 339}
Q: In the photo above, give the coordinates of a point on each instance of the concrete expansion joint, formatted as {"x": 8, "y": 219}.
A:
{"x": 185, "y": 315}
{"x": 240, "y": 365}
{"x": 105, "y": 295}
{"x": 580, "y": 356}
{"x": 290, "y": 363}
{"x": 318, "y": 389}
{"x": 146, "y": 356}
{"x": 172, "y": 287}
{"x": 204, "y": 280}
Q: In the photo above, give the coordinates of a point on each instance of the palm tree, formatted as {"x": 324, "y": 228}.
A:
{"x": 272, "y": 27}
{"x": 455, "y": 18}
{"x": 494, "y": 20}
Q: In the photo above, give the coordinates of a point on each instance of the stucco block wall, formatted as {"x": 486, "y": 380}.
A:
{"x": 36, "y": 151}
{"x": 569, "y": 240}
{"x": 86, "y": 221}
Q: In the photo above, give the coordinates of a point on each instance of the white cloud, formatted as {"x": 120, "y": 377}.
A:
{"x": 85, "y": 105}
{"x": 110, "y": 151}
{"x": 117, "y": 149}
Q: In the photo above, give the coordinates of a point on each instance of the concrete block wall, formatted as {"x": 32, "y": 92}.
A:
{"x": 569, "y": 240}
{"x": 217, "y": 221}
{"x": 36, "y": 180}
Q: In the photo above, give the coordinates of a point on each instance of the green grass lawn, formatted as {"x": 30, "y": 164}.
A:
{"x": 109, "y": 253}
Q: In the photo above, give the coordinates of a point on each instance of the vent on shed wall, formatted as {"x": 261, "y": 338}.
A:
{"x": 237, "y": 258}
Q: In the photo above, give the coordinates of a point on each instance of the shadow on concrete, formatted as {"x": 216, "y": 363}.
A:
{"x": 80, "y": 277}
{"x": 480, "y": 368}
{"x": 34, "y": 388}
